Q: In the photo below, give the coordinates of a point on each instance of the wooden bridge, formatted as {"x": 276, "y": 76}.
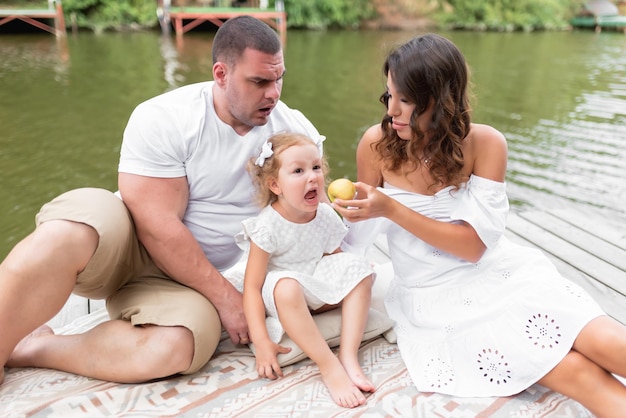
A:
{"x": 38, "y": 17}
{"x": 185, "y": 18}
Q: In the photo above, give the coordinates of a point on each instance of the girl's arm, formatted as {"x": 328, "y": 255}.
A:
{"x": 488, "y": 155}
{"x": 254, "y": 309}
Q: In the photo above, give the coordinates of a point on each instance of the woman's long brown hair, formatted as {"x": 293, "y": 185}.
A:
{"x": 428, "y": 69}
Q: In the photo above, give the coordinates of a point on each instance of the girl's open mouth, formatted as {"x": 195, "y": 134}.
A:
{"x": 310, "y": 195}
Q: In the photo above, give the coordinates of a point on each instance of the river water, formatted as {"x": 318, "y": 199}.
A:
{"x": 559, "y": 98}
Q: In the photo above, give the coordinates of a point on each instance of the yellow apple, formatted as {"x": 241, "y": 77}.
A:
{"x": 341, "y": 189}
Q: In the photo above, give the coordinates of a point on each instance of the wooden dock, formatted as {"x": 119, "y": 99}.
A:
{"x": 185, "y": 18}
{"x": 588, "y": 250}
{"x": 585, "y": 248}
{"x": 38, "y": 17}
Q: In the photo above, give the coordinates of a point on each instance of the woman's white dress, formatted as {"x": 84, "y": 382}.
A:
{"x": 297, "y": 251}
{"x": 491, "y": 328}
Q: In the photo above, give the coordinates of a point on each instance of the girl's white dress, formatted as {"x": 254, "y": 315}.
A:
{"x": 491, "y": 328}
{"x": 297, "y": 251}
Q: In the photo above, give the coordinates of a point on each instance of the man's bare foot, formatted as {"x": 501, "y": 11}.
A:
{"x": 343, "y": 391}
{"x": 355, "y": 373}
{"x": 24, "y": 351}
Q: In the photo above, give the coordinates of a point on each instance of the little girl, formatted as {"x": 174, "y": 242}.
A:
{"x": 295, "y": 268}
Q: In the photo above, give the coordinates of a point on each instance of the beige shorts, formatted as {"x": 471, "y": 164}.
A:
{"x": 122, "y": 272}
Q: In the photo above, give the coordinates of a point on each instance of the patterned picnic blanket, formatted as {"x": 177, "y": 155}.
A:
{"x": 228, "y": 386}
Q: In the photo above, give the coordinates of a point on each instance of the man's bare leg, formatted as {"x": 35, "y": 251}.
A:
{"x": 37, "y": 277}
{"x": 36, "y": 280}
{"x": 115, "y": 351}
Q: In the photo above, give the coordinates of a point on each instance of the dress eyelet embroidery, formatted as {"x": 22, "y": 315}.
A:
{"x": 436, "y": 253}
{"x": 401, "y": 327}
{"x": 477, "y": 266}
{"x": 542, "y": 331}
{"x": 493, "y": 366}
{"x": 439, "y": 373}
{"x": 575, "y": 291}
{"x": 467, "y": 301}
{"x": 449, "y": 329}
{"x": 506, "y": 274}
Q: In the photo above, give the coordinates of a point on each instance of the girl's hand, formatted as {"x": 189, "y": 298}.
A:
{"x": 370, "y": 203}
{"x": 266, "y": 359}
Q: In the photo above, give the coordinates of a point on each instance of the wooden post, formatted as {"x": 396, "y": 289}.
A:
{"x": 59, "y": 20}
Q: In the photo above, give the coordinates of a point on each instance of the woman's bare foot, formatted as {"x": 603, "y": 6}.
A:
{"x": 355, "y": 373}
{"x": 343, "y": 391}
{"x": 24, "y": 351}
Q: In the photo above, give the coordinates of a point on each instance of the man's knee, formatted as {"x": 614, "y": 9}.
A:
{"x": 59, "y": 247}
{"x": 165, "y": 350}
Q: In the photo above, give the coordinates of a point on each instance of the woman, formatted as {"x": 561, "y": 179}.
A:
{"x": 476, "y": 315}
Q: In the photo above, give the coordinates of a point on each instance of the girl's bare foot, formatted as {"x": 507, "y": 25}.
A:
{"x": 24, "y": 351}
{"x": 343, "y": 391}
{"x": 355, "y": 373}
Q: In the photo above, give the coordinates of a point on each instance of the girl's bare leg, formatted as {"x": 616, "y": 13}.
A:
{"x": 354, "y": 312}
{"x": 298, "y": 323}
{"x": 584, "y": 381}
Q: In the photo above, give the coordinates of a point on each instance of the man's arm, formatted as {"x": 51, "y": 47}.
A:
{"x": 157, "y": 206}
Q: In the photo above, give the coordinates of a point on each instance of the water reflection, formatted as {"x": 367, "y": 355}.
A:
{"x": 576, "y": 154}
{"x": 171, "y": 65}
{"x": 34, "y": 53}
{"x": 560, "y": 99}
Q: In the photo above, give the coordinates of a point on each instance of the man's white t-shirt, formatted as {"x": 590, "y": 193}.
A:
{"x": 179, "y": 134}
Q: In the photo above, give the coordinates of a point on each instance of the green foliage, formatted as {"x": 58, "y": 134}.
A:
{"x": 507, "y": 15}
{"x": 111, "y": 14}
{"x": 321, "y": 14}
{"x": 312, "y": 14}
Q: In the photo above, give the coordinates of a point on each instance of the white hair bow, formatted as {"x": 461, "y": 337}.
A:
{"x": 266, "y": 152}
{"x": 320, "y": 139}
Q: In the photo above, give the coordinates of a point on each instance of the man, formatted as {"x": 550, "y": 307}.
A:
{"x": 157, "y": 256}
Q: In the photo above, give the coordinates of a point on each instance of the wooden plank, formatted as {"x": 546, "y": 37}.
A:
{"x": 612, "y": 231}
{"x": 381, "y": 244}
{"x": 375, "y": 256}
{"x": 96, "y": 305}
{"x": 613, "y": 303}
{"x": 583, "y": 238}
{"x": 590, "y": 264}
{"x": 75, "y": 307}
{"x": 43, "y": 13}
{"x": 30, "y": 16}
{"x": 277, "y": 19}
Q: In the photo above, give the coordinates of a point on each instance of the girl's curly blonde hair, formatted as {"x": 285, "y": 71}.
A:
{"x": 268, "y": 170}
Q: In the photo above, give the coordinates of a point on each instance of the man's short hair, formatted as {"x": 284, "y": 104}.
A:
{"x": 241, "y": 32}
